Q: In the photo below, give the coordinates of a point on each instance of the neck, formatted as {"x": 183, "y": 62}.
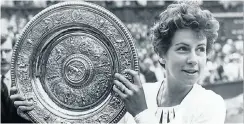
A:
{"x": 4, "y": 72}
{"x": 173, "y": 93}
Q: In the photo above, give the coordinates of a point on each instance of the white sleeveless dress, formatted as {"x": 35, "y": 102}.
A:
{"x": 199, "y": 106}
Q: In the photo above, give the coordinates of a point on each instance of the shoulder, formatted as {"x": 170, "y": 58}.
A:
{"x": 151, "y": 88}
{"x": 203, "y": 101}
{"x": 151, "y": 85}
{"x": 211, "y": 105}
{"x": 205, "y": 106}
{"x": 208, "y": 97}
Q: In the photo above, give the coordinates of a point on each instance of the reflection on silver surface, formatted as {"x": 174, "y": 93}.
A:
{"x": 65, "y": 60}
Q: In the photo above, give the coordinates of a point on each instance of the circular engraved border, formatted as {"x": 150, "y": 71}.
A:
{"x": 16, "y": 52}
{"x": 87, "y": 61}
{"x": 44, "y": 72}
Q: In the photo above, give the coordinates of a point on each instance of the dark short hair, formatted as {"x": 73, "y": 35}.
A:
{"x": 183, "y": 15}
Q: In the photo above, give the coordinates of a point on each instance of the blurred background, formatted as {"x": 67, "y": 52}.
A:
{"x": 224, "y": 74}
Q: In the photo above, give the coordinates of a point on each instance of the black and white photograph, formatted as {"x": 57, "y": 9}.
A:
{"x": 122, "y": 61}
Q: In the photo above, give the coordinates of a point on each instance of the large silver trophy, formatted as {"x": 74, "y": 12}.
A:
{"x": 65, "y": 60}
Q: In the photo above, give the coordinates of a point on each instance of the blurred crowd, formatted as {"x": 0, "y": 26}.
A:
{"x": 225, "y": 64}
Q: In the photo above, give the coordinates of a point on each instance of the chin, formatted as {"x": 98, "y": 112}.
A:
{"x": 191, "y": 82}
{"x": 4, "y": 70}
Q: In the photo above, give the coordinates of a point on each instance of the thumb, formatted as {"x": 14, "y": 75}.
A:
{"x": 135, "y": 76}
{"x": 13, "y": 90}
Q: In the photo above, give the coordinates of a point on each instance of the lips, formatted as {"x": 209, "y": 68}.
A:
{"x": 4, "y": 63}
{"x": 190, "y": 71}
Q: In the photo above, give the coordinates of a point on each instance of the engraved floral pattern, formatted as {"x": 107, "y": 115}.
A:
{"x": 44, "y": 46}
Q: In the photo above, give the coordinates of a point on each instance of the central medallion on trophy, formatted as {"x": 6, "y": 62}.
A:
{"x": 77, "y": 70}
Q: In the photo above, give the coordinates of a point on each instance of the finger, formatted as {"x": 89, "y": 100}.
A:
{"x": 125, "y": 81}
{"x": 26, "y": 108}
{"x": 17, "y": 97}
{"x": 22, "y": 103}
{"x": 135, "y": 76}
{"x": 13, "y": 90}
{"x": 22, "y": 114}
{"x": 122, "y": 88}
{"x": 122, "y": 95}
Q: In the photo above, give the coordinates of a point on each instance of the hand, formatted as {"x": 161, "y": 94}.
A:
{"x": 132, "y": 94}
{"x": 20, "y": 103}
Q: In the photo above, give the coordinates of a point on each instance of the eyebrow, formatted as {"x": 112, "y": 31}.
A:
{"x": 202, "y": 44}
{"x": 181, "y": 44}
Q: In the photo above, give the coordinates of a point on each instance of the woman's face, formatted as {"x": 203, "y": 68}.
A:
{"x": 186, "y": 57}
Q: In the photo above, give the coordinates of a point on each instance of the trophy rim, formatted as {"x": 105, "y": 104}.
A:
{"x": 102, "y": 10}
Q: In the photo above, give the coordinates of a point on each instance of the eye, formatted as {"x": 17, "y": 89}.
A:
{"x": 7, "y": 51}
{"x": 182, "y": 49}
{"x": 201, "y": 49}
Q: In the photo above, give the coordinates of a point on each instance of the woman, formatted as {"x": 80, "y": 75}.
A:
{"x": 183, "y": 37}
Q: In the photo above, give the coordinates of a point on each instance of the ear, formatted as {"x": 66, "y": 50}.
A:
{"x": 162, "y": 61}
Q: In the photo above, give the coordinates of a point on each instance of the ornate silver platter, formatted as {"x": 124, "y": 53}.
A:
{"x": 65, "y": 60}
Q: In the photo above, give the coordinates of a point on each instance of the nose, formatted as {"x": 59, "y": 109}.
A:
{"x": 192, "y": 58}
{"x": 3, "y": 54}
